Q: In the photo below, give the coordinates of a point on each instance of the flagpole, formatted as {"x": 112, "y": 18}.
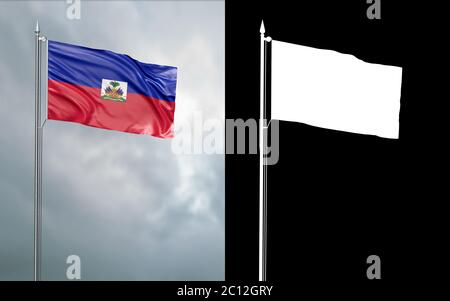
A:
{"x": 262, "y": 169}
{"x": 37, "y": 159}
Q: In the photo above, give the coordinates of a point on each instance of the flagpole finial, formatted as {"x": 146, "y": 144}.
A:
{"x": 37, "y": 30}
{"x": 262, "y": 29}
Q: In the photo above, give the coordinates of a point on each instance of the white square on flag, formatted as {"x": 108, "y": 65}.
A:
{"x": 114, "y": 90}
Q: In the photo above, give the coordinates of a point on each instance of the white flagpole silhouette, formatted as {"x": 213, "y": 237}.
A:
{"x": 262, "y": 265}
{"x": 263, "y": 126}
{"x": 327, "y": 89}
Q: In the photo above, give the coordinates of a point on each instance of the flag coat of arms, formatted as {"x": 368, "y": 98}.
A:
{"x": 107, "y": 90}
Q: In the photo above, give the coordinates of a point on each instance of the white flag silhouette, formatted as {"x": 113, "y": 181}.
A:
{"x": 332, "y": 90}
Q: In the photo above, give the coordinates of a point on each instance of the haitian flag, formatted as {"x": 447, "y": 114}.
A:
{"x": 112, "y": 91}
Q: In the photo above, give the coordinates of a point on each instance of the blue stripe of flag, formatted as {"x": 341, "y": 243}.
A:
{"x": 84, "y": 66}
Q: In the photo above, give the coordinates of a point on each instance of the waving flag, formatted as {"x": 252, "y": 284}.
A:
{"x": 112, "y": 91}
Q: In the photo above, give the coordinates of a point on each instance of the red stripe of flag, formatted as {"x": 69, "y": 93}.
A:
{"x": 139, "y": 114}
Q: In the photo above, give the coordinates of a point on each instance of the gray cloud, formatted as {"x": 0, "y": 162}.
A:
{"x": 124, "y": 203}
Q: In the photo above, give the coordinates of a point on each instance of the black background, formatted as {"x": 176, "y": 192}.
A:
{"x": 335, "y": 198}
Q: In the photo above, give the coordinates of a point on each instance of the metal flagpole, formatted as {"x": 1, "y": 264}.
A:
{"x": 262, "y": 163}
{"x": 38, "y": 135}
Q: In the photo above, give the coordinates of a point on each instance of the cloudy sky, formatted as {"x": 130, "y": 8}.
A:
{"x": 124, "y": 203}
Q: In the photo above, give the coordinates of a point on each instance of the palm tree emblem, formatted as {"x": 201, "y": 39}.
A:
{"x": 114, "y": 91}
